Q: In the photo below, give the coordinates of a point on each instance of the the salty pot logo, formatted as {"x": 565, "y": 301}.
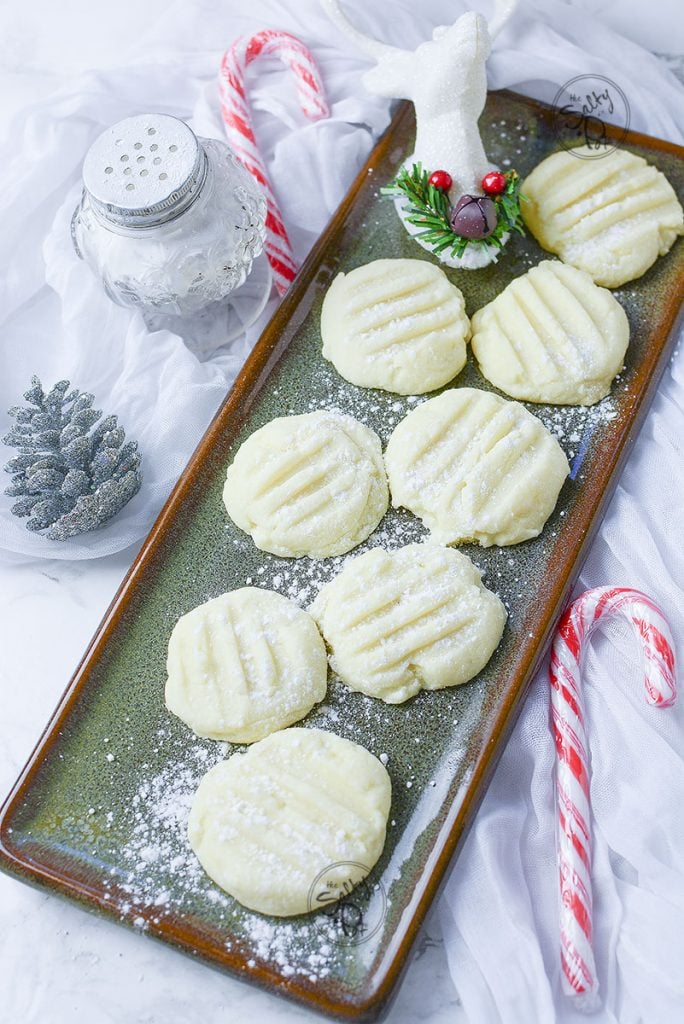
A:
{"x": 582, "y": 109}
{"x": 351, "y": 908}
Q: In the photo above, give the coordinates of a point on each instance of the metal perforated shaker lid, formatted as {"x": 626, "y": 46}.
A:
{"x": 144, "y": 170}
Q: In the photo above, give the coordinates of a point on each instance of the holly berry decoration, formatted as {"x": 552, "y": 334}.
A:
{"x": 441, "y": 180}
{"x": 494, "y": 183}
{"x": 474, "y": 217}
{"x": 475, "y": 220}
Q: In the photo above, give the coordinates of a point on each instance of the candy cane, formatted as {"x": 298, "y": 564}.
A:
{"x": 240, "y": 134}
{"x": 572, "y": 767}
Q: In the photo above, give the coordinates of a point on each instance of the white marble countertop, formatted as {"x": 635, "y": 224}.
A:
{"x": 57, "y": 963}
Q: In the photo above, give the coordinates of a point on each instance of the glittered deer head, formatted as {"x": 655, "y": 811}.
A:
{"x": 445, "y": 78}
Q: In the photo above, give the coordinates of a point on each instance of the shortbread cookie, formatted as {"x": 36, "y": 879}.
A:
{"x": 552, "y": 336}
{"x": 475, "y": 467}
{"x": 302, "y": 812}
{"x": 308, "y": 485}
{"x": 417, "y": 618}
{"x": 243, "y": 665}
{"x": 399, "y": 325}
{"x": 611, "y": 216}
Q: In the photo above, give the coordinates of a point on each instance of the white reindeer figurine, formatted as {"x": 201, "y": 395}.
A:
{"x": 446, "y": 80}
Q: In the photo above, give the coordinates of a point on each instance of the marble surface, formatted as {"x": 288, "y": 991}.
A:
{"x": 58, "y": 964}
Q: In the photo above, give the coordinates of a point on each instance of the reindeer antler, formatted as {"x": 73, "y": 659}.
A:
{"x": 372, "y": 47}
{"x": 503, "y": 9}
{"x": 502, "y": 12}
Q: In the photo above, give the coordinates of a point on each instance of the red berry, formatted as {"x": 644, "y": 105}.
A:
{"x": 494, "y": 183}
{"x": 441, "y": 180}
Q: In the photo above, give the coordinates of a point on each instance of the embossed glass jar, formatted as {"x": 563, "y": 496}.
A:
{"x": 170, "y": 222}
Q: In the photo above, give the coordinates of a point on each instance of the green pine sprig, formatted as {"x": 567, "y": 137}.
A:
{"x": 429, "y": 209}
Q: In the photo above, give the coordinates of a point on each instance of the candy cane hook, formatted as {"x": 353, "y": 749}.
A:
{"x": 572, "y": 766}
{"x": 238, "y": 123}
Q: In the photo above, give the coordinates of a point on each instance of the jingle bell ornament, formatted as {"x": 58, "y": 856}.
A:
{"x": 474, "y": 217}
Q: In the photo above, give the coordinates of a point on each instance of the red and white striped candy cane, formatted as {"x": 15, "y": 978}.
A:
{"x": 238, "y": 122}
{"x": 572, "y": 766}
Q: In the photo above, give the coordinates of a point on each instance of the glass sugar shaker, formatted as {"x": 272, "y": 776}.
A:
{"x": 171, "y": 223}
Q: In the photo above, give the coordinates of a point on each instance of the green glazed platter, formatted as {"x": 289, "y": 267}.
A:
{"x": 99, "y": 813}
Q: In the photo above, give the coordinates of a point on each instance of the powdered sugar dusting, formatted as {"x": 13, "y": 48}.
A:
{"x": 158, "y": 817}
{"x": 163, "y": 878}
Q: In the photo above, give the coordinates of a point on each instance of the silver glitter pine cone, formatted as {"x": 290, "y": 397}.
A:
{"x": 71, "y": 475}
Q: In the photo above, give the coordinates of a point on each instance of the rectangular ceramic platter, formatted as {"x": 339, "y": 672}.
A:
{"x": 99, "y": 814}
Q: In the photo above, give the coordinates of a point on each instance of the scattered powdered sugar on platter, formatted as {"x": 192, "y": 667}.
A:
{"x": 156, "y": 873}
{"x": 163, "y": 878}
{"x": 158, "y": 817}
{"x": 574, "y": 426}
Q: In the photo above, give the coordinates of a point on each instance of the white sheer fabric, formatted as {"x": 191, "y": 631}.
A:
{"x": 498, "y": 912}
